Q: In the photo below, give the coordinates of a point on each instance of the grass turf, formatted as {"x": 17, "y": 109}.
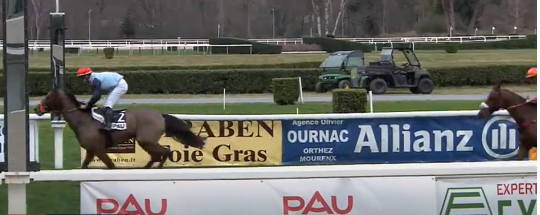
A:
{"x": 63, "y": 197}
{"x": 427, "y": 58}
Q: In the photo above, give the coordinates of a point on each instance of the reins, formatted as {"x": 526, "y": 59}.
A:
{"x": 524, "y": 124}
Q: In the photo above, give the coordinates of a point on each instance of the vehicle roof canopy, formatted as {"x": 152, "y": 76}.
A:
{"x": 354, "y": 53}
{"x": 335, "y": 59}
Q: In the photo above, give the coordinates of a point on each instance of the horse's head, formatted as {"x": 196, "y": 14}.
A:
{"x": 55, "y": 101}
{"x": 50, "y": 103}
{"x": 499, "y": 99}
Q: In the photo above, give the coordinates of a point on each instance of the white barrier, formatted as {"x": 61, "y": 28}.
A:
{"x": 189, "y": 43}
{"x": 58, "y": 127}
{"x": 330, "y": 171}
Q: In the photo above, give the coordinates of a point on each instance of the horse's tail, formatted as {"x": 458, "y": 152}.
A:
{"x": 181, "y": 132}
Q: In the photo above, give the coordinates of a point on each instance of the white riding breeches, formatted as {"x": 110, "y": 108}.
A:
{"x": 116, "y": 93}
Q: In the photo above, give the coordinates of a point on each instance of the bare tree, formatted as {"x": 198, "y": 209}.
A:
{"x": 327, "y": 16}
{"x": 342, "y": 5}
{"x": 316, "y": 4}
{"x": 448, "y": 9}
{"x": 37, "y": 8}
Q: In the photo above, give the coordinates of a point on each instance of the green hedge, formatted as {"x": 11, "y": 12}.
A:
{"x": 260, "y": 80}
{"x": 529, "y": 43}
{"x": 349, "y": 101}
{"x": 334, "y": 45}
{"x": 299, "y": 65}
{"x": 286, "y": 90}
{"x": 256, "y": 47}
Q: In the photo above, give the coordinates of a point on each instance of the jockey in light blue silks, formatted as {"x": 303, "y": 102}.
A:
{"x": 111, "y": 82}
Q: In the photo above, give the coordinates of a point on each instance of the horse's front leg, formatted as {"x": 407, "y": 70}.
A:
{"x": 88, "y": 158}
{"x": 523, "y": 151}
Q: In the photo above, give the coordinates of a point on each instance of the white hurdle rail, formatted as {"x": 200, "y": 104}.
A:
{"x": 58, "y": 127}
{"x": 286, "y": 172}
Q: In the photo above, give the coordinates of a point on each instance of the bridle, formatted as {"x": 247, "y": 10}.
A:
{"x": 43, "y": 110}
{"x": 523, "y": 125}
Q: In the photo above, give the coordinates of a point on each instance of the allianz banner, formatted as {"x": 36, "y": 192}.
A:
{"x": 228, "y": 143}
{"x": 399, "y": 140}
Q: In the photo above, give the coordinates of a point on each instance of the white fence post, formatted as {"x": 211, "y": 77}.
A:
{"x": 58, "y": 129}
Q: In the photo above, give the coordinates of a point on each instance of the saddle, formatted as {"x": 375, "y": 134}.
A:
{"x": 118, "y": 120}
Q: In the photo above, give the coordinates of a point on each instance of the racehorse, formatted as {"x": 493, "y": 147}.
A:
{"x": 524, "y": 114}
{"x": 146, "y": 126}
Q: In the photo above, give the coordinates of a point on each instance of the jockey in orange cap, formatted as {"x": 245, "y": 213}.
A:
{"x": 531, "y": 75}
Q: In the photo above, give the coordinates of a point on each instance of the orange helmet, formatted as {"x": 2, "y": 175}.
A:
{"x": 84, "y": 71}
{"x": 531, "y": 73}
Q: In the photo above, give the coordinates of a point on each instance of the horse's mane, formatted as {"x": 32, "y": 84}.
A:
{"x": 515, "y": 95}
{"x": 74, "y": 100}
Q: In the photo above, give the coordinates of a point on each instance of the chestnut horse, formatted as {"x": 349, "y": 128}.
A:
{"x": 523, "y": 113}
{"x": 146, "y": 126}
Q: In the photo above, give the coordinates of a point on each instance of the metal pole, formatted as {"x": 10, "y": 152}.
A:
{"x": 57, "y": 39}
{"x": 273, "y": 23}
{"x": 15, "y": 50}
{"x": 57, "y": 6}
{"x": 89, "y": 25}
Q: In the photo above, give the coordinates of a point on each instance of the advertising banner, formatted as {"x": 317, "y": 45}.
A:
{"x": 33, "y": 136}
{"x": 489, "y": 196}
{"x": 345, "y": 196}
{"x": 240, "y": 143}
{"x": 399, "y": 140}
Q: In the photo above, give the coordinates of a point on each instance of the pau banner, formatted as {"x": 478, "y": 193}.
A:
{"x": 229, "y": 142}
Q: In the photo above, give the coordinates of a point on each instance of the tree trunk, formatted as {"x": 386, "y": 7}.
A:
{"x": 338, "y": 17}
{"x": 317, "y": 13}
{"x": 327, "y": 15}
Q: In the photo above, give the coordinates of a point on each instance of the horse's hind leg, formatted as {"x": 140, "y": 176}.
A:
{"x": 165, "y": 154}
{"x": 87, "y": 159}
{"x": 157, "y": 153}
{"x": 104, "y": 157}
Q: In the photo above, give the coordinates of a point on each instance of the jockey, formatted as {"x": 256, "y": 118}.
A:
{"x": 531, "y": 75}
{"x": 111, "y": 82}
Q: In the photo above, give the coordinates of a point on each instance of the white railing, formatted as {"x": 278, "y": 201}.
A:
{"x": 325, "y": 171}
{"x": 187, "y": 43}
{"x": 58, "y": 127}
{"x": 17, "y": 181}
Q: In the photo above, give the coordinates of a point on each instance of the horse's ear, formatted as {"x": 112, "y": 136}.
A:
{"x": 497, "y": 87}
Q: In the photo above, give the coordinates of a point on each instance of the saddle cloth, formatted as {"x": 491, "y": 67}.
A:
{"x": 118, "y": 121}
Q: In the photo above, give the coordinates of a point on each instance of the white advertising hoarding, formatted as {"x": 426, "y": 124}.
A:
{"x": 490, "y": 196}
{"x": 356, "y": 196}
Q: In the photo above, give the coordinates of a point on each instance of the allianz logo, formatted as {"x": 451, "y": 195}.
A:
{"x": 499, "y": 139}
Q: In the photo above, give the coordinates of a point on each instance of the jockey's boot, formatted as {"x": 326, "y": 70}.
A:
{"x": 108, "y": 118}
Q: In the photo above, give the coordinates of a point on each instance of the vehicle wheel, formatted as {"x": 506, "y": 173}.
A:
{"x": 425, "y": 86}
{"x": 414, "y": 90}
{"x": 319, "y": 88}
{"x": 378, "y": 86}
{"x": 344, "y": 84}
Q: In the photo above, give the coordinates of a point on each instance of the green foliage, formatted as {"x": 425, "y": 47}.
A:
{"x": 256, "y": 47}
{"x": 532, "y": 40}
{"x": 240, "y": 81}
{"x": 332, "y": 45}
{"x": 298, "y": 65}
{"x": 451, "y": 48}
{"x": 528, "y": 43}
{"x": 109, "y": 53}
{"x": 286, "y": 90}
{"x": 127, "y": 27}
{"x": 349, "y": 101}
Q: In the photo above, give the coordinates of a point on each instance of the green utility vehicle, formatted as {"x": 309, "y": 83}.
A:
{"x": 337, "y": 68}
{"x": 384, "y": 73}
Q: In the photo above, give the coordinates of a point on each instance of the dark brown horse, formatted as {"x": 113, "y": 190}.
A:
{"x": 523, "y": 113}
{"x": 146, "y": 126}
